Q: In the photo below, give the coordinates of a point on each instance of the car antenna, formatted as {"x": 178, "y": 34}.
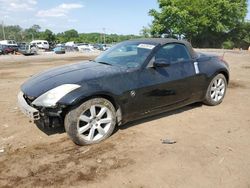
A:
{"x": 222, "y": 57}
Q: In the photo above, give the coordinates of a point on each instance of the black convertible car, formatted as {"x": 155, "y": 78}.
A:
{"x": 131, "y": 80}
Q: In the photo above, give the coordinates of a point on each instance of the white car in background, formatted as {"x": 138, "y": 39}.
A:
{"x": 70, "y": 44}
{"x": 10, "y": 43}
{"x": 82, "y": 47}
{"x": 41, "y": 44}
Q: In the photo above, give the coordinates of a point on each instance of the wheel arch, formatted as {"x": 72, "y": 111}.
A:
{"x": 225, "y": 73}
{"x": 212, "y": 74}
{"x": 105, "y": 95}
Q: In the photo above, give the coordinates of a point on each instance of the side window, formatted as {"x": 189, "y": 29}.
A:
{"x": 173, "y": 53}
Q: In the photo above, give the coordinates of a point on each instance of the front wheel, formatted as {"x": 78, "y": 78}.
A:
{"x": 216, "y": 90}
{"x": 91, "y": 122}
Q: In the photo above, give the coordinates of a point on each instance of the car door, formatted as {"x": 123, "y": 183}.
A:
{"x": 160, "y": 87}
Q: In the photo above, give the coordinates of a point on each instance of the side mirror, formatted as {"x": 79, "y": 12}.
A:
{"x": 161, "y": 63}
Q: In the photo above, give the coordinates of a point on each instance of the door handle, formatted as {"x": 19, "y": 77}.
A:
{"x": 196, "y": 67}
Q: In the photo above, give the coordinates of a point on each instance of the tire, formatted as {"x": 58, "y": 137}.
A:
{"x": 216, "y": 90}
{"x": 91, "y": 122}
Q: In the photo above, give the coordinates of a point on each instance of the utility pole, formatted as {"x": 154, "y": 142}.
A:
{"x": 3, "y": 31}
{"x": 104, "y": 37}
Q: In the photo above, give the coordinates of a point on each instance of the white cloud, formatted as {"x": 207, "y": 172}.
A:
{"x": 70, "y": 6}
{"x": 17, "y": 5}
{"x": 72, "y": 20}
{"x": 59, "y": 11}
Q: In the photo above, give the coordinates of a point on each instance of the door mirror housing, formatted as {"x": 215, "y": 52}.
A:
{"x": 161, "y": 63}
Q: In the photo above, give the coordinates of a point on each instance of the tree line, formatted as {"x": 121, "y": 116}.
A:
{"x": 205, "y": 23}
{"x": 17, "y": 33}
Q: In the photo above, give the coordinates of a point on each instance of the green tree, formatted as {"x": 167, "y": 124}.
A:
{"x": 71, "y": 34}
{"x": 36, "y": 28}
{"x": 32, "y": 33}
{"x": 11, "y": 32}
{"x": 145, "y": 32}
{"x": 204, "y": 22}
{"x": 47, "y": 35}
{"x": 241, "y": 35}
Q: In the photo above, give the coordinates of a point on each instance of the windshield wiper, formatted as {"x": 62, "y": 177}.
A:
{"x": 101, "y": 62}
{"x": 105, "y": 63}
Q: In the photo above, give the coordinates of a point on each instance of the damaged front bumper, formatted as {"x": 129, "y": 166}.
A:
{"x": 48, "y": 117}
{"x": 28, "y": 110}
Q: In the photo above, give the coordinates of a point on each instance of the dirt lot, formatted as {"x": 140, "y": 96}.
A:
{"x": 212, "y": 149}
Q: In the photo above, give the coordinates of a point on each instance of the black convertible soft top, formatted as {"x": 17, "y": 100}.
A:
{"x": 163, "y": 41}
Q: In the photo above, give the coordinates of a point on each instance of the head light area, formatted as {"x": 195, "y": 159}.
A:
{"x": 51, "y": 97}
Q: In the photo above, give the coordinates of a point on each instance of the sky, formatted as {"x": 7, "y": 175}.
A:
{"x": 109, "y": 16}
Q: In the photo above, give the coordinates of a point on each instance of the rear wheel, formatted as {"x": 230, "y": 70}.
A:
{"x": 216, "y": 90}
{"x": 91, "y": 122}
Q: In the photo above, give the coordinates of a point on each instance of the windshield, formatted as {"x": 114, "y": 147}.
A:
{"x": 130, "y": 54}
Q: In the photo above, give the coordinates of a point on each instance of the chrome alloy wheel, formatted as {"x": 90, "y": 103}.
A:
{"x": 94, "y": 123}
{"x": 217, "y": 90}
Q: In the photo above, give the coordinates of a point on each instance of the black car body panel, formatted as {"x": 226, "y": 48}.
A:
{"x": 135, "y": 91}
{"x": 79, "y": 73}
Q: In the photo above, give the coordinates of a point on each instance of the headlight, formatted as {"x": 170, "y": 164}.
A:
{"x": 51, "y": 97}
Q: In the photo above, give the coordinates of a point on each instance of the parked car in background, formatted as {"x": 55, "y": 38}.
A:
{"x": 1, "y": 50}
{"x": 85, "y": 47}
{"x": 27, "y": 49}
{"x": 41, "y": 44}
{"x": 102, "y": 47}
{"x": 21, "y": 44}
{"x": 10, "y": 45}
{"x": 7, "y": 49}
{"x": 59, "y": 49}
{"x": 71, "y": 46}
{"x": 131, "y": 80}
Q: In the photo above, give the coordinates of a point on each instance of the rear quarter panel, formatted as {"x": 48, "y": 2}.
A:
{"x": 211, "y": 66}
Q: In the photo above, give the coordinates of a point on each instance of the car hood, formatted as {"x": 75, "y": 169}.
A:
{"x": 77, "y": 73}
